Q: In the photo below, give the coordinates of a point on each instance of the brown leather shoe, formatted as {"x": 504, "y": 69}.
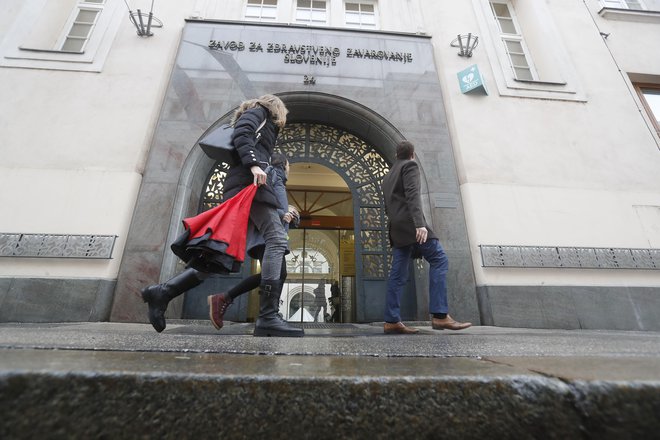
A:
{"x": 398, "y": 328}
{"x": 218, "y": 305}
{"x": 449, "y": 324}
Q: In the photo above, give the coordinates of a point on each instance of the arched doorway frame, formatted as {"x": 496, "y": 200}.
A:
{"x": 304, "y": 107}
{"x": 362, "y": 167}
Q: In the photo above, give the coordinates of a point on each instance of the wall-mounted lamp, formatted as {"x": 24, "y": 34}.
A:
{"x": 138, "y": 19}
{"x": 466, "y": 43}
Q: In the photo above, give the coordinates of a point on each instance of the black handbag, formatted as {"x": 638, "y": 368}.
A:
{"x": 218, "y": 144}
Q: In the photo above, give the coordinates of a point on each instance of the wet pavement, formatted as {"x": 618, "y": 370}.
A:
{"x": 575, "y": 378}
{"x": 333, "y": 349}
{"x": 333, "y": 340}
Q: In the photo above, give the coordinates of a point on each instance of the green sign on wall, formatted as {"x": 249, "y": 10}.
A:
{"x": 471, "y": 80}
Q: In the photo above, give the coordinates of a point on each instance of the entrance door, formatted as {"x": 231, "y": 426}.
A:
{"x": 321, "y": 265}
{"x": 319, "y": 285}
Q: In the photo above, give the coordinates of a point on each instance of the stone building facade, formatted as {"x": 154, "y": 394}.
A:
{"x": 539, "y": 148}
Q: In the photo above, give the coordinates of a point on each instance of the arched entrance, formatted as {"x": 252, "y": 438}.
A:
{"x": 206, "y": 85}
{"x": 351, "y": 248}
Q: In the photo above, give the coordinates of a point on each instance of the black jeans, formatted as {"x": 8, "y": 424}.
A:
{"x": 269, "y": 224}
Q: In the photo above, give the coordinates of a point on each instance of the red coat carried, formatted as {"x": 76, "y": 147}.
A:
{"x": 214, "y": 241}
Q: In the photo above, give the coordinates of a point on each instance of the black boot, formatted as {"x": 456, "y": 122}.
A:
{"x": 158, "y": 296}
{"x": 270, "y": 322}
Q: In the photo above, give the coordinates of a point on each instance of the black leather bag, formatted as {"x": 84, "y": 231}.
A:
{"x": 218, "y": 145}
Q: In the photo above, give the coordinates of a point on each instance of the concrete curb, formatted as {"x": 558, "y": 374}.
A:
{"x": 98, "y": 405}
{"x": 108, "y": 380}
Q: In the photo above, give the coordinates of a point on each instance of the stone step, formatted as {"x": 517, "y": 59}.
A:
{"x": 114, "y": 380}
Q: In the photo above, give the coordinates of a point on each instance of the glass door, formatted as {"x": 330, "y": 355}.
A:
{"x": 314, "y": 290}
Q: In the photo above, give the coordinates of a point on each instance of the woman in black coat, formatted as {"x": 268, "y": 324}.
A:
{"x": 256, "y": 125}
{"x": 277, "y": 176}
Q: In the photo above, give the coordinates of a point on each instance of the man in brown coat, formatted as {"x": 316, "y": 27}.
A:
{"x": 409, "y": 233}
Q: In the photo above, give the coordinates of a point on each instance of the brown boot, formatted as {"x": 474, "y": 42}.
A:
{"x": 397, "y": 328}
{"x": 449, "y": 324}
{"x": 218, "y": 305}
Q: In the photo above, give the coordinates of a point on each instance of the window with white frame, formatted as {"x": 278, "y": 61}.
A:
{"x": 80, "y": 25}
{"x": 624, "y": 4}
{"x": 62, "y": 34}
{"x": 360, "y": 15}
{"x": 64, "y": 26}
{"x": 261, "y": 10}
{"x": 311, "y": 12}
{"x": 650, "y": 96}
{"x": 513, "y": 41}
{"x": 527, "y": 59}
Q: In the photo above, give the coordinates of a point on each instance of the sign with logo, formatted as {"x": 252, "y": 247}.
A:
{"x": 471, "y": 80}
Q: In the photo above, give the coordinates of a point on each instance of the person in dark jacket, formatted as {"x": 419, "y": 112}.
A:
{"x": 411, "y": 235}
{"x": 254, "y": 147}
{"x": 255, "y": 151}
{"x": 278, "y": 174}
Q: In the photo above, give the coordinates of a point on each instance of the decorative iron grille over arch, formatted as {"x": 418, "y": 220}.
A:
{"x": 359, "y": 164}
{"x": 213, "y": 189}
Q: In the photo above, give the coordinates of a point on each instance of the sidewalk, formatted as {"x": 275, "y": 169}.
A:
{"x": 117, "y": 380}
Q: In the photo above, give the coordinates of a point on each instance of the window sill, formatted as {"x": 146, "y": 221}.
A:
{"x": 630, "y": 15}
{"x": 65, "y": 52}
{"x": 550, "y": 90}
{"x": 540, "y": 83}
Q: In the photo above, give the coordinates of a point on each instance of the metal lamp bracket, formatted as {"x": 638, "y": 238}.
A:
{"x": 466, "y": 44}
